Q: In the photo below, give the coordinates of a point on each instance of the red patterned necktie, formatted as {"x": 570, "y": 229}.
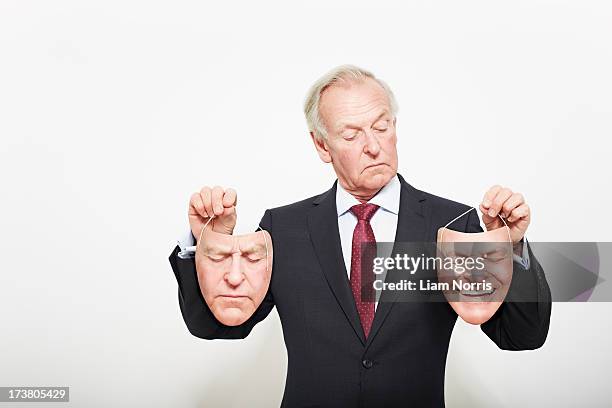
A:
{"x": 361, "y": 282}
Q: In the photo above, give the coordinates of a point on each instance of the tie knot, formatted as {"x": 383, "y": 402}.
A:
{"x": 364, "y": 212}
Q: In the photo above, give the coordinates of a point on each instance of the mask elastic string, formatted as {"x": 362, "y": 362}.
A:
{"x": 507, "y": 227}
{"x": 266, "y": 241}
{"x": 202, "y": 232}
{"x": 472, "y": 208}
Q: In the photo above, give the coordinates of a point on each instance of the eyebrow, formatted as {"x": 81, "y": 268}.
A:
{"x": 217, "y": 249}
{"x": 256, "y": 248}
{"x": 341, "y": 125}
{"x": 494, "y": 251}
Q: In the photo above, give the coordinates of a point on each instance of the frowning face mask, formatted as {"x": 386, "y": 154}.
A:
{"x": 477, "y": 268}
{"x": 234, "y": 273}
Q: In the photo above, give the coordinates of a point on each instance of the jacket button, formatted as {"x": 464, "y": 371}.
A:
{"x": 367, "y": 363}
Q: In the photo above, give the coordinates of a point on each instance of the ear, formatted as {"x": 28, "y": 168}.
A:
{"x": 394, "y": 120}
{"x": 322, "y": 148}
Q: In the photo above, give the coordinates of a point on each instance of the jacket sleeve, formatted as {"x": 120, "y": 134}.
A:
{"x": 522, "y": 321}
{"x": 197, "y": 316}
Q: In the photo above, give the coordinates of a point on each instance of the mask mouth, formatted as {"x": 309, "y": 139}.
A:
{"x": 477, "y": 293}
{"x": 233, "y": 296}
{"x": 483, "y": 290}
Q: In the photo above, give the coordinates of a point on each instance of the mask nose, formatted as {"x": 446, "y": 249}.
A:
{"x": 474, "y": 274}
{"x": 235, "y": 276}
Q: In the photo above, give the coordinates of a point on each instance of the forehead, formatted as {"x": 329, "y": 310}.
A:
{"x": 222, "y": 243}
{"x": 497, "y": 235}
{"x": 252, "y": 242}
{"x": 353, "y": 101}
{"x": 216, "y": 242}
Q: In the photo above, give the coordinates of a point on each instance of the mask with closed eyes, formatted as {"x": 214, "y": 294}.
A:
{"x": 477, "y": 287}
{"x": 234, "y": 272}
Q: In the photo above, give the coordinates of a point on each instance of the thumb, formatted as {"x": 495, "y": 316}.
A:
{"x": 226, "y": 222}
{"x": 229, "y": 211}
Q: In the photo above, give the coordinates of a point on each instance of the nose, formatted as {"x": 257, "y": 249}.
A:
{"x": 473, "y": 274}
{"x": 372, "y": 146}
{"x": 235, "y": 276}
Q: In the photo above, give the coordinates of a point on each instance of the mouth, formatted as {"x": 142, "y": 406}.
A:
{"x": 233, "y": 296}
{"x": 375, "y": 165}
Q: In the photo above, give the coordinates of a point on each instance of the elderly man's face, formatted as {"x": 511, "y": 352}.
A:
{"x": 234, "y": 274}
{"x": 361, "y": 142}
{"x": 475, "y": 304}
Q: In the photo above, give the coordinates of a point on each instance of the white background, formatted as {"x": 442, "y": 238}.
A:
{"x": 113, "y": 112}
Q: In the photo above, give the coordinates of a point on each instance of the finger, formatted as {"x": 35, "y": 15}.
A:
{"x": 511, "y": 203}
{"x": 487, "y": 200}
{"x": 196, "y": 205}
{"x": 229, "y": 198}
{"x": 217, "y": 200}
{"x": 484, "y": 210}
{"x": 489, "y": 222}
{"x": 498, "y": 201}
{"x": 521, "y": 212}
{"x": 205, "y": 193}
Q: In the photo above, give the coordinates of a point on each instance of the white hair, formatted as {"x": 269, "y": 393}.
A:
{"x": 343, "y": 73}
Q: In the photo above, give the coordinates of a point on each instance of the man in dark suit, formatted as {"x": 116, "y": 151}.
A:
{"x": 342, "y": 350}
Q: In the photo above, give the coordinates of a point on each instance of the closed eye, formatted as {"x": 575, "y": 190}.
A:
{"x": 253, "y": 259}
{"x": 381, "y": 126}
{"x": 216, "y": 258}
{"x": 350, "y": 135}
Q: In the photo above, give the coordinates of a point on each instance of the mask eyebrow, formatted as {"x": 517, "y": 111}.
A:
{"x": 495, "y": 252}
{"x": 217, "y": 249}
{"x": 253, "y": 248}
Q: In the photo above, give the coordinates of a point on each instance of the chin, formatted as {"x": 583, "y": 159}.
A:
{"x": 232, "y": 312}
{"x": 379, "y": 178}
{"x": 232, "y": 316}
{"x": 475, "y": 313}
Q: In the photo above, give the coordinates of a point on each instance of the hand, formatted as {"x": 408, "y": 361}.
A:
{"x": 511, "y": 206}
{"x": 208, "y": 202}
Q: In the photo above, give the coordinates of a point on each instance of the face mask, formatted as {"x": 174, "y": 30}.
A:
{"x": 477, "y": 268}
{"x": 234, "y": 272}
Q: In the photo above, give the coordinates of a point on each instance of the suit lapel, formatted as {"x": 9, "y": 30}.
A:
{"x": 412, "y": 226}
{"x": 323, "y": 227}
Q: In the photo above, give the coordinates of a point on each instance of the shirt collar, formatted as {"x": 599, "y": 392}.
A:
{"x": 388, "y": 198}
